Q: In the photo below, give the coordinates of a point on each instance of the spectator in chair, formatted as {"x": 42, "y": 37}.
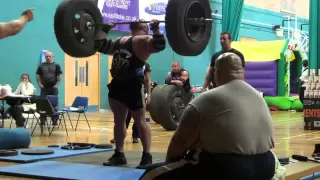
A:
{"x": 16, "y": 109}
{"x": 224, "y": 133}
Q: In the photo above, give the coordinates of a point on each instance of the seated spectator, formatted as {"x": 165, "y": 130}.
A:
{"x": 17, "y": 108}
{"x": 178, "y": 76}
{"x": 224, "y": 133}
{"x": 26, "y": 88}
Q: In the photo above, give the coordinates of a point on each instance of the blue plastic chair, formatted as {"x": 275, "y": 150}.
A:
{"x": 54, "y": 101}
{"x": 48, "y": 107}
{"x": 80, "y": 106}
{"x": 45, "y": 109}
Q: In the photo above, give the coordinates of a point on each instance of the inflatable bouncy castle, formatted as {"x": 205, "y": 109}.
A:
{"x": 273, "y": 67}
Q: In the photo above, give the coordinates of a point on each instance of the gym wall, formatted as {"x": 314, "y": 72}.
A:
{"x": 21, "y": 54}
{"x": 302, "y": 6}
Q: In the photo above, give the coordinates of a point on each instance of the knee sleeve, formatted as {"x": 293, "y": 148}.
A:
{"x": 159, "y": 42}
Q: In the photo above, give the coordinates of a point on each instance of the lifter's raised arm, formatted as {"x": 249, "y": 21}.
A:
{"x": 13, "y": 27}
{"x": 104, "y": 45}
{"x": 151, "y": 43}
{"x": 156, "y": 42}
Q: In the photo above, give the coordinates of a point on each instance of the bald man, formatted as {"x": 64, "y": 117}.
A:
{"x": 14, "y": 27}
{"x": 49, "y": 76}
{"x": 224, "y": 133}
{"x": 178, "y": 76}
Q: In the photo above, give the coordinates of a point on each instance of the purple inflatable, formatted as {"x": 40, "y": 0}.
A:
{"x": 263, "y": 76}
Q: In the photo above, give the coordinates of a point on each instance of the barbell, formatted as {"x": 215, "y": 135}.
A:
{"x": 192, "y": 21}
{"x": 78, "y": 22}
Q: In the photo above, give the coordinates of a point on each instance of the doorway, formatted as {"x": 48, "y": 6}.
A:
{"x": 82, "y": 78}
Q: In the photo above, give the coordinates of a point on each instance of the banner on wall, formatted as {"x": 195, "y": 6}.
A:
{"x": 43, "y": 56}
{"x": 153, "y": 9}
{"x": 119, "y": 11}
{"x": 131, "y": 10}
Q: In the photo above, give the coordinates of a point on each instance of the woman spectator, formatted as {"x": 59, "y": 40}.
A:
{"x": 25, "y": 88}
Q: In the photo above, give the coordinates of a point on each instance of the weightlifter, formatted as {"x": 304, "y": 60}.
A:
{"x": 15, "y": 26}
{"x": 225, "y": 42}
{"x": 225, "y": 133}
{"x": 147, "y": 85}
{"x": 126, "y": 87}
{"x": 178, "y": 76}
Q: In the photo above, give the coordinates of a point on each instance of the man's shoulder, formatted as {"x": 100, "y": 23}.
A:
{"x": 216, "y": 55}
{"x": 56, "y": 64}
{"x": 236, "y": 51}
{"x": 183, "y": 69}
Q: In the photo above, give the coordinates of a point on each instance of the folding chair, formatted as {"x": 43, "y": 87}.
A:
{"x": 80, "y": 106}
{"x": 54, "y": 101}
{"x": 45, "y": 109}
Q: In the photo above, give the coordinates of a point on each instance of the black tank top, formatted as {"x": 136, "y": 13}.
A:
{"x": 177, "y": 76}
{"x": 126, "y": 67}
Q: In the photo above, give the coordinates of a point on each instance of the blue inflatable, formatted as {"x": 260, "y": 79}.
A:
{"x": 14, "y": 138}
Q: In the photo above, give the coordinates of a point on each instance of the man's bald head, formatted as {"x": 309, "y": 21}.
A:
{"x": 176, "y": 66}
{"x": 49, "y": 57}
{"x": 228, "y": 67}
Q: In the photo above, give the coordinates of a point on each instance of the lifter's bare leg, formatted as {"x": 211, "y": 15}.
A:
{"x": 120, "y": 112}
{"x": 145, "y": 135}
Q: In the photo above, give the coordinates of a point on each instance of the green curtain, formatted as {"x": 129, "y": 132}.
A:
{"x": 231, "y": 17}
{"x": 314, "y": 37}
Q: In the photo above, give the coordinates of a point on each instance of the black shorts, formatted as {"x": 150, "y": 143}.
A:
{"x": 132, "y": 97}
{"x": 224, "y": 166}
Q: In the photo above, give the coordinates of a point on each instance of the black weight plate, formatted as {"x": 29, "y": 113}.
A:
{"x": 8, "y": 152}
{"x": 37, "y": 151}
{"x": 284, "y": 159}
{"x": 187, "y": 97}
{"x": 64, "y": 19}
{"x": 184, "y": 40}
{"x": 154, "y": 106}
{"x": 172, "y": 106}
{"x": 75, "y": 147}
{"x": 80, "y": 144}
{"x": 103, "y": 146}
{"x": 53, "y": 146}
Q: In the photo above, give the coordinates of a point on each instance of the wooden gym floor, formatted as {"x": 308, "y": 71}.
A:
{"x": 290, "y": 137}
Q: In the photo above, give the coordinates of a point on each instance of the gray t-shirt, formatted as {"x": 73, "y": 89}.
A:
{"x": 234, "y": 119}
